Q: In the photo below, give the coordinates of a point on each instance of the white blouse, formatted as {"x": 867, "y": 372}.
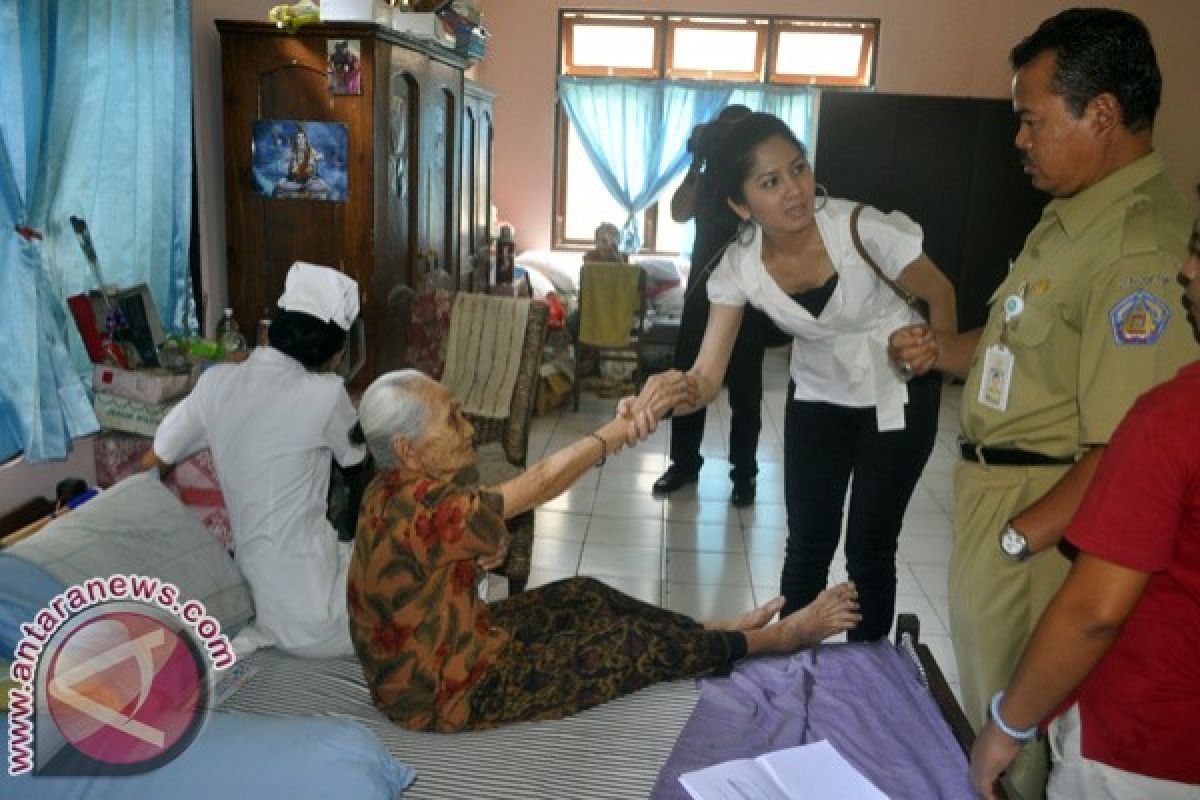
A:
{"x": 839, "y": 356}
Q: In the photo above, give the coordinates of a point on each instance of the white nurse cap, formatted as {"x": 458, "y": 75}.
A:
{"x": 322, "y": 292}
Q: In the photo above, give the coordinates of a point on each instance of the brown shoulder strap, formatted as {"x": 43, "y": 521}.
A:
{"x": 904, "y": 294}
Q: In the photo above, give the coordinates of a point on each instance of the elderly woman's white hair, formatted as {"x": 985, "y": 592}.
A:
{"x": 393, "y": 404}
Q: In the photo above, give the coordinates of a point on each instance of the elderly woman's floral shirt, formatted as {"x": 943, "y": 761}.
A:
{"x": 420, "y": 630}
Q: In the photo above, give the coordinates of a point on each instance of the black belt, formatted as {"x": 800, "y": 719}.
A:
{"x": 1008, "y": 457}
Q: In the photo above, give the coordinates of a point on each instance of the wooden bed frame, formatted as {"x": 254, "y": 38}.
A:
{"x": 908, "y": 638}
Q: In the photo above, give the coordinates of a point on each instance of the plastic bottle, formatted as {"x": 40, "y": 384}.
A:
{"x": 228, "y": 336}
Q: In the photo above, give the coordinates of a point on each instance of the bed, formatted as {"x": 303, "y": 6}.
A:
{"x": 558, "y": 271}
{"x": 614, "y": 751}
{"x": 308, "y": 724}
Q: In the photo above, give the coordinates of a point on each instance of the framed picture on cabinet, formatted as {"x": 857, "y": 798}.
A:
{"x": 345, "y": 66}
{"x": 300, "y": 159}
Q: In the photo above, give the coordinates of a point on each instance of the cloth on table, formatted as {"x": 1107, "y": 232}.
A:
{"x": 865, "y": 699}
{"x": 483, "y": 355}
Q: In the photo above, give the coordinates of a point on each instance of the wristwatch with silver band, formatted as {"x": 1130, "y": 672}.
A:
{"x": 1014, "y": 544}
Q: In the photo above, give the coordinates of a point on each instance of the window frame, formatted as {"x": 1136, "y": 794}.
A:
{"x": 665, "y": 24}
{"x": 759, "y": 25}
{"x": 569, "y": 20}
{"x": 863, "y": 79}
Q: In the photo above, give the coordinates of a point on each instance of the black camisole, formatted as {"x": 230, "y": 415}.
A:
{"x": 814, "y": 300}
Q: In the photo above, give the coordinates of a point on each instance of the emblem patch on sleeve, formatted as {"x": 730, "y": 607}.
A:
{"x": 1139, "y": 318}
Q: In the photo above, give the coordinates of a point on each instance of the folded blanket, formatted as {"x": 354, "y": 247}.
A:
{"x": 864, "y": 699}
{"x": 609, "y": 297}
{"x": 483, "y": 355}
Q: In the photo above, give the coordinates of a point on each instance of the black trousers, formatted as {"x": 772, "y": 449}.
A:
{"x": 824, "y": 446}
{"x": 743, "y": 377}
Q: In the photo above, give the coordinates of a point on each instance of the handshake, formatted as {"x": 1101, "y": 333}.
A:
{"x": 661, "y": 394}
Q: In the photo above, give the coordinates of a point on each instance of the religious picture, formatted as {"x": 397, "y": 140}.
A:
{"x": 300, "y": 159}
{"x": 345, "y": 66}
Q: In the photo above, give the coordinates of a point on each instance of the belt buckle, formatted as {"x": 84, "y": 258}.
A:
{"x": 977, "y": 449}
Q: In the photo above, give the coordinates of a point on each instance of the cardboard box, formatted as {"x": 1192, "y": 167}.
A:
{"x": 554, "y": 387}
{"x": 131, "y": 416}
{"x": 153, "y": 386}
{"x": 422, "y": 26}
{"x": 355, "y": 11}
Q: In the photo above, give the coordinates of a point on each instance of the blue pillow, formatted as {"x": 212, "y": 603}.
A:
{"x": 252, "y": 756}
{"x": 25, "y": 589}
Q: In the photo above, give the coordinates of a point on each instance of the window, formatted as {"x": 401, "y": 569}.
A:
{"x": 826, "y": 53}
{"x": 769, "y": 58}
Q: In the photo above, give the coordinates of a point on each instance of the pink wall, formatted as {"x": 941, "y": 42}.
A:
{"x": 20, "y": 482}
{"x": 937, "y": 47}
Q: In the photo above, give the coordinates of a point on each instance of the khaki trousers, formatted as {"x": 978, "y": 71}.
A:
{"x": 995, "y": 602}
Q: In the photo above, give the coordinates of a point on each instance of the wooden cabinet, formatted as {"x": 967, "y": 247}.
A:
{"x": 475, "y": 215}
{"x": 403, "y": 169}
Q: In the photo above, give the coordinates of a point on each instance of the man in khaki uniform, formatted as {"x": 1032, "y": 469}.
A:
{"x": 1089, "y": 318}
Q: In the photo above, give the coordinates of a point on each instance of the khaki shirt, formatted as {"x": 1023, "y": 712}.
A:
{"x": 1102, "y": 321}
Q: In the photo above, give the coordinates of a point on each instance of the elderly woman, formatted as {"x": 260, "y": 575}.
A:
{"x": 437, "y": 657}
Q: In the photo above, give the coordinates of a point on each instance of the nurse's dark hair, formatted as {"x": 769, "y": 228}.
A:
{"x": 733, "y": 158}
{"x": 1098, "y": 50}
{"x": 309, "y": 340}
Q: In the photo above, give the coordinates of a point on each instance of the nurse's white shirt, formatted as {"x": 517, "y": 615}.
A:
{"x": 839, "y": 356}
{"x": 272, "y": 425}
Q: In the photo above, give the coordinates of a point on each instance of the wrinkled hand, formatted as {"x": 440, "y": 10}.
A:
{"x": 497, "y": 559}
{"x": 914, "y": 349}
{"x": 661, "y": 393}
{"x": 992, "y": 753}
{"x": 639, "y": 422}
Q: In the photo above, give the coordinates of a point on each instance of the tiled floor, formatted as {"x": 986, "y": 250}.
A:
{"x": 695, "y": 553}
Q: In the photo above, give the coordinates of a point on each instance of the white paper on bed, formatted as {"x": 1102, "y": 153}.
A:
{"x": 814, "y": 770}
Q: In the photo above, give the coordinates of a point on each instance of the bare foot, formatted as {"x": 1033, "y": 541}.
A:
{"x": 751, "y": 620}
{"x": 835, "y": 610}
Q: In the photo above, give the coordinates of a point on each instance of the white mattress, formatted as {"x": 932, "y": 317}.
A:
{"x": 613, "y": 751}
{"x": 558, "y": 271}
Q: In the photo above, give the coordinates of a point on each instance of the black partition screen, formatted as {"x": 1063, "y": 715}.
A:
{"x": 947, "y": 162}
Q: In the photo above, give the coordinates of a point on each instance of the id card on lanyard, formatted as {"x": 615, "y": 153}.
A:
{"x": 998, "y": 360}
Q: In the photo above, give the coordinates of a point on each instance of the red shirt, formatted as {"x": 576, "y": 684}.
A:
{"x": 1140, "y": 706}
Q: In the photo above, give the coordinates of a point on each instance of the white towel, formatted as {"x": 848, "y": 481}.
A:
{"x": 483, "y": 355}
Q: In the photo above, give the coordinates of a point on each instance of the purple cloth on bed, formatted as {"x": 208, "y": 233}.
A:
{"x": 865, "y": 699}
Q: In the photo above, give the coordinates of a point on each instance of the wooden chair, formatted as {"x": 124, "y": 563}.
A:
{"x": 503, "y": 444}
{"x": 618, "y": 292}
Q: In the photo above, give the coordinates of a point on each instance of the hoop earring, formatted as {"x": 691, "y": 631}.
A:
{"x": 822, "y": 197}
{"x": 745, "y": 231}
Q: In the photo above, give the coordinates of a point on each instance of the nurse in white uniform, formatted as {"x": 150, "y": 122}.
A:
{"x": 272, "y": 424}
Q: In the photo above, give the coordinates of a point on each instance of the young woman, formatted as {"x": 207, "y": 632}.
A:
{"x": 850, "y": 412}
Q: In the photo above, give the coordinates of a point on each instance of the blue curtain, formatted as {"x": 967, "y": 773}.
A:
{"x": 97, "y": 123}
{"x": 635, "y": 133}
{"x": 792, "y": 104}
